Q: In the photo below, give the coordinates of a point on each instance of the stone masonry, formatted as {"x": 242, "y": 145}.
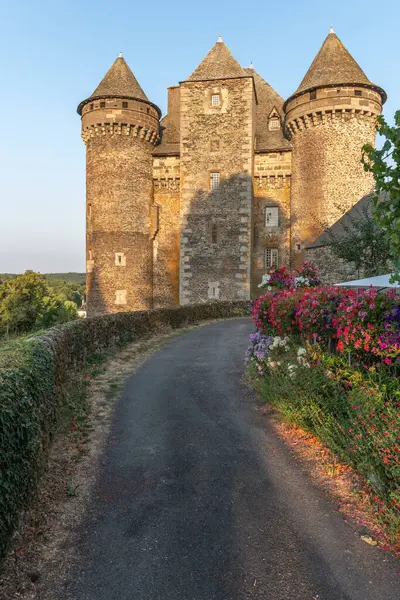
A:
{"x": 195, "y": 207}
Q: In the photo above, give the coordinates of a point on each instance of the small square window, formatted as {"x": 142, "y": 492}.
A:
{"x": 274, "y": 124}
{"x": 357, "y": 92}
{"x": 120, "y": 297}
{"x": 215, "y": 100}
{"x": 271, "y": 257}
{"x": 120, "y": 259}
{"x": 214, "y": 181}
{"x": 125, "y": 105}
{"x": 102, "y": 104}
{"x": 313, "y": 95}
{"x": 271, "y": 216}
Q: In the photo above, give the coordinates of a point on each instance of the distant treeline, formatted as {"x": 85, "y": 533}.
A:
{"x": 33, "y": 301}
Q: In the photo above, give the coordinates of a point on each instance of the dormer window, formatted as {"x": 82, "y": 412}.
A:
{"x": 274, "y": 120}
{"x": 215, "y": 100}
{"x": 274, "y": 124}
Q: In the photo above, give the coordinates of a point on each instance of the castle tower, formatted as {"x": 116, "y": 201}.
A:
{"x": 328, "y": 120}
{"x": 217, "y": 108}
{"x": 119, "y": 127}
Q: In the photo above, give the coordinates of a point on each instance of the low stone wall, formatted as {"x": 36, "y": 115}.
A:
{"x": 33, "y": 380}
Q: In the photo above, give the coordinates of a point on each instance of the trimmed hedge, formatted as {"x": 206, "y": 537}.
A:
{"x": 32, "y": 389}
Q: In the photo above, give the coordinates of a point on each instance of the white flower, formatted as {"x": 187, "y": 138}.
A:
{"x": 301, "y": 351}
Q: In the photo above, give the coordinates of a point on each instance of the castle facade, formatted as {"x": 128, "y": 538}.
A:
{"x": 195, "y": 206}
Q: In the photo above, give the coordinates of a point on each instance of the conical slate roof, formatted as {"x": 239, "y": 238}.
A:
{"x": 218, "y": 64}
{"x": 120, "y": 81}
{"x": 333, "y": 65}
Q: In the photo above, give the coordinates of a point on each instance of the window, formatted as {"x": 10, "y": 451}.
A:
{"x": 120, "y": 259}
{"x": 89, "y": 210}
{"x": 120, "y": 297}
{"x": 271, "y": 257}
{"x": 274, "y": 123}
{"x": 215, "y": 100}
{"x": 125, "y": 105}
{"x": 214, "y": 145}
{"x": 90, "y": 254}
{"x": 148, "y": 111}
{"x": 102, "y": 104}
{"x": 313, "y": 95}
{"x": 298, "y": 247}
{"x": 91, "y": 106}
{"x": 214, "y": 233}
{"x": 213, "y": 290}
{"x": 214, "y": 181}
{"x": 271, "y": 216}
{"x": 357, "y": 92}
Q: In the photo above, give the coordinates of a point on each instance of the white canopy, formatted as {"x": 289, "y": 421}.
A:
{"x": 380, "y": 281}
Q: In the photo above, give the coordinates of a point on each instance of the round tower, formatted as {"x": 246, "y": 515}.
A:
{"x": 328, "y": 120}
{"x": 119, "y": 127}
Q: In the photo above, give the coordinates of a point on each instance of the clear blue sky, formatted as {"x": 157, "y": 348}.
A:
{"x": 53, "y": 54}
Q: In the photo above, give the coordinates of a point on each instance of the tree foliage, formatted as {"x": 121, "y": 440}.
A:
{"x": 27, "y": 302}
{"x": 384, "y": 164}
{"x": 362, "y": 242}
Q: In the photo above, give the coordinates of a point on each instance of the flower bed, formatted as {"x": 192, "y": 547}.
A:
{"x": 327, "y": 358}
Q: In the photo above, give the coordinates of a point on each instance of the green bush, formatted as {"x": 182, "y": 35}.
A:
{"x": 355, "y": 412}
{"x": 33, "y": 376}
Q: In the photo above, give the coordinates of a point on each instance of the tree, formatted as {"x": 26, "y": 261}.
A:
{"x": 28, "y": 303}
{"x": 384, "y": 164}
{"x": 362, "y": 242}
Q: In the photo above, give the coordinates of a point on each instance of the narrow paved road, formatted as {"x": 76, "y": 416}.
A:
{"x": 198, "y": 500}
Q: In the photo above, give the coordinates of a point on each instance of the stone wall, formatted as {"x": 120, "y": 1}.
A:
{"x": 119, "y": 249}
{"x": 166, "y": 181}
{"x": 331, "y": 268}
{"x": 328, "y": 134}
{"x": 216, "y": 226}
{"x": 271, "y": 186}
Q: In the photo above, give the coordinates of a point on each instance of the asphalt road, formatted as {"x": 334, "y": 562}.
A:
{"x": 198, "y": 500}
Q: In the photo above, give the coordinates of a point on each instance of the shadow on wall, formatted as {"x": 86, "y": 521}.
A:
{"x": 216, "y": 232}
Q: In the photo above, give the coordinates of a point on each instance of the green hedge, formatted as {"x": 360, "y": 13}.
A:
{"x": 33, "y": 376}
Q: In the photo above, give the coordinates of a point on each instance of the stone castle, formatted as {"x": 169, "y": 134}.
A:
{"x": 196, "y": 205}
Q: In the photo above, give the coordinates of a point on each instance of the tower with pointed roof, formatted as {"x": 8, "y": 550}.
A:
{"x": 120, "y": 127}
{"x": 328, "y": 119}
{"x": 217, "y": 108}
{"x": 195, "y": 207}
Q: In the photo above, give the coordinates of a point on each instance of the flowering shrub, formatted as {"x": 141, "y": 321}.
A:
{"x": 282, "y": 279}
{"x": 363, "y": 323}
{"x": 307, "y": 276}
{"x": 276, "y": 278}
{"x": 330, "y": 367}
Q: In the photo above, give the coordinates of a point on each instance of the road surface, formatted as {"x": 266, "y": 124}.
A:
{"x": 197, "y": 499}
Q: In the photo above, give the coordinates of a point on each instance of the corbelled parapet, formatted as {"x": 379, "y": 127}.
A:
{"x": 119, "y": 127}
{"x": 328, "y": 119}
{"x": 118, "y": 106}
